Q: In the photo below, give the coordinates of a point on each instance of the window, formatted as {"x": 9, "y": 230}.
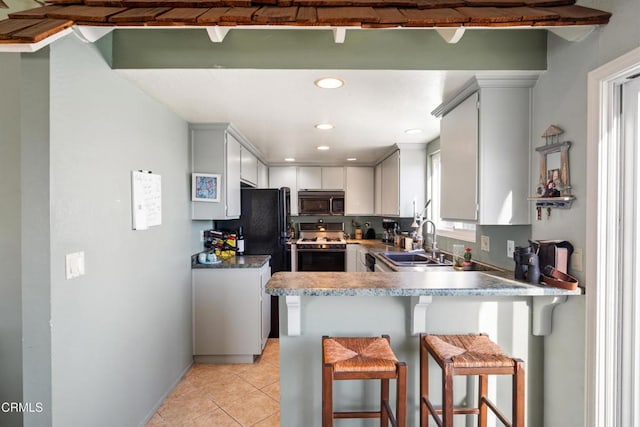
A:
{"x": 457, "y": 230}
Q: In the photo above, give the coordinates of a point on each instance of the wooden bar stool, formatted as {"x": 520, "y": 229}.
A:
{"x": 363, "y": 359}
{"x": 468, "y": 355}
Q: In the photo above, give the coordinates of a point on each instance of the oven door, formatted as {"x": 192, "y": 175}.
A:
{"x": 321, "y": 260}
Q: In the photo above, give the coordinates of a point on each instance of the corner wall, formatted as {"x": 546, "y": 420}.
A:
{"x": 560, "y": 97}
{"x": 121, "y": 334}
{"x": 10, "y": 243}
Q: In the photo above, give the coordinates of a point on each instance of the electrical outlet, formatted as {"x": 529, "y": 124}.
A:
{"x": 202, "y": 235}
{"x": 485, "y": 243}
{"x": 511, "y": 247}
{"x": 576, "y": 260}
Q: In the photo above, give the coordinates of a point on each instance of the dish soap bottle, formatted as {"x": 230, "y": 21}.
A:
{"x": 240, "y": 242}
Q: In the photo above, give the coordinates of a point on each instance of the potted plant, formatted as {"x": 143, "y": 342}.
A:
{"x": 467, "y": 264}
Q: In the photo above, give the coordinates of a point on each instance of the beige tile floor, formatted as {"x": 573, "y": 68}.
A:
{"x": 226, "y": 395}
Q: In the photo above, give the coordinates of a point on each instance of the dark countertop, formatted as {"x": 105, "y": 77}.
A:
{"x": 246, "y": 261}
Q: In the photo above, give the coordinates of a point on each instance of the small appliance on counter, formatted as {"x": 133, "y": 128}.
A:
{"x": 527, "y": 264}
{"x": 390, "y": 231}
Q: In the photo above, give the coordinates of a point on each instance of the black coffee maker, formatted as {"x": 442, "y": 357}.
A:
{"x": 527, "y": 264}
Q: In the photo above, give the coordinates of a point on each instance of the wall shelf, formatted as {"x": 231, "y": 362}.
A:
{"x": 562, "y": 202}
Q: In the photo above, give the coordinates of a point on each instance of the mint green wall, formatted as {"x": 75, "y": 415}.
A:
{"x": 10, "y": 242}
{"x": 121, "y": 334}
{"x": 560, "y": 97}
{"x": 414, "y": 49}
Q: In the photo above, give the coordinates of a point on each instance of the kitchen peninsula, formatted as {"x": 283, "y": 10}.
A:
{"x": 403, "y": 304}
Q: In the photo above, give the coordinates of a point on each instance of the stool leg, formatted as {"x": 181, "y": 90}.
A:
{"x": 482, "y": 406}
{"x": 424, "y": 384}
{"x": 384, "y": 397}
{"x": 327, "y": 395}
{"x": 518, "y": 395}
{"x": 447, "y": 395}
{"x": 401, "y": 395}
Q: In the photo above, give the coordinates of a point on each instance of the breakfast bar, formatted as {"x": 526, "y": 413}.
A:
{"x": 514, "y": 314}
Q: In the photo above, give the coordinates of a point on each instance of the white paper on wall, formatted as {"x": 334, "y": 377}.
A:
{"x": 146, "y": 200}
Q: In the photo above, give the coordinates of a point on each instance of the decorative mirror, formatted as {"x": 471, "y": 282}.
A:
{"x": 554, "y": 185}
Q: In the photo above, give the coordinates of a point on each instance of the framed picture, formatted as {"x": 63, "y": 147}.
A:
{"x": 205, "y": 187}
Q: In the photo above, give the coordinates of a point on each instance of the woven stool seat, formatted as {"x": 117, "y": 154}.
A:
{"x": 469, "y": 351}
{"x": 468, "y": 355}
{"x": 359, "y": 354}
{"x": 363, "y": 358}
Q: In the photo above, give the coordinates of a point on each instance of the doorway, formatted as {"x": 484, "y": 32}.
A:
{"x": 613, "y": 242}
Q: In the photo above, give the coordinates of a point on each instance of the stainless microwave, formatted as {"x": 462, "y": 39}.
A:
{"x": 320, "y": 202}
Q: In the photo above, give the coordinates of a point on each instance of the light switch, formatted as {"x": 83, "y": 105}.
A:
{"x": 74, "y": 265}
{"x": 576, "y": 260}
{"x": 511, "y": 247}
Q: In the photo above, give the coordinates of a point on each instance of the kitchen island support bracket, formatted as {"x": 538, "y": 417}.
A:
{"x": 419, "y": 313}
{"x": 543, "y": 313}
{"x": 293, "y": 315}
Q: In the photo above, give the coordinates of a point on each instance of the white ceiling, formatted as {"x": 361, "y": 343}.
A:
{"x": 277, "y": 109}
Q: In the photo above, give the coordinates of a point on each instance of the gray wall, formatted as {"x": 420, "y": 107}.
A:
{"x": 560, "y": 97}
{"x": 121, "y": 334}
{"x": 10, "y": 244}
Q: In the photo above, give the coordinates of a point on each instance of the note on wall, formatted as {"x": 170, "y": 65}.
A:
{"x": 146, "y": 200}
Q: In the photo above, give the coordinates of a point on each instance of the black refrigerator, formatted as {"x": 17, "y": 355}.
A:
{"x": 264, "y": 219}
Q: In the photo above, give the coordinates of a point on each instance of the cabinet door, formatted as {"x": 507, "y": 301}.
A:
{"x": 226, "y": 311}
{"x": 391, "y": 185}
{"x": 377, "y": 188}
{"x": 459, "y": 161}
{"x": 248, "y": 167}
{"x": 263, "y": 175}
{"x": 285, "y": 176}
{"x": 233, "y": 178}
{"x": 352, "y": 258}
{"x": 359, "y": 191}
{"x": 333, "y": 178}
{"x": 265, "y": 275}
{"x": 309, "y": 178}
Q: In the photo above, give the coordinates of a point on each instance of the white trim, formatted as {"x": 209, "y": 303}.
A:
{"x": 603, "y": 252}
{"x": 451, "y": 35}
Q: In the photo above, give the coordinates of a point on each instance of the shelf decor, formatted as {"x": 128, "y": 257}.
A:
{"x": 205, "y": 187}
{"x": 554, "y": 186}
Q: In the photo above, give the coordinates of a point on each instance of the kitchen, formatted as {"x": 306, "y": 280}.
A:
{"x": 121, "y": 259}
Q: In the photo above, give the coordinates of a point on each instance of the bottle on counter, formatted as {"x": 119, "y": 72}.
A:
{"x": 240, "y": 242}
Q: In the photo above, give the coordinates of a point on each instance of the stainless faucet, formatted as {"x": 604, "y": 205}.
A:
{"x": 434, "y": 243}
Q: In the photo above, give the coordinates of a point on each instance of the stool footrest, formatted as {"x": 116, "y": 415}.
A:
{"x": 354, "y": 414}
{"x": 496, "y": 411}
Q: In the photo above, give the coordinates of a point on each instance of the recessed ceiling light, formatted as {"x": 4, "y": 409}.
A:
{"x": 323, "y": 147}
{"x": 329, "y": 83}
{"x": 289, "y": 159}
{"x": 324, "y": 126}
{"x": 413, "y": 131}
{"x": 351, "y": 159}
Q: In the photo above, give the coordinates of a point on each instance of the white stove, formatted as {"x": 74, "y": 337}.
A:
{"x": 321, "y": 247}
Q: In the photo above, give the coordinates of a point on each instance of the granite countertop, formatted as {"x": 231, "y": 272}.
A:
{"x": 246, "y": 261}
{"x": 435, "y": 283}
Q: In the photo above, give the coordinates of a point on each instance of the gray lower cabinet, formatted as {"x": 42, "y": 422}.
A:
{"x": 231, "y": 314}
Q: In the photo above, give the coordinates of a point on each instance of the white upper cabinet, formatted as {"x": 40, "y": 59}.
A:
{"x": 309, "y": 178}
{"x": 359, "y": 191}
{"x": 263, "y": 175}
{"x": 403, "y": 181}
{"x": 214, "y": 150}
{"x": 485, "y": 139}
{"x": 320, "y": 178}
{"x": 333, "y": 178}
{"x": 248, "y": 167}
{"x": 285, "y": 176}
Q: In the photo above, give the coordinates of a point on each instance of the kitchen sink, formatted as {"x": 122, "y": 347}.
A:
{"x": 411, "y": 259}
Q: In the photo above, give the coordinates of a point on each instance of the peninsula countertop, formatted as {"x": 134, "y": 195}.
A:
{"x": 423, "y": 283}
